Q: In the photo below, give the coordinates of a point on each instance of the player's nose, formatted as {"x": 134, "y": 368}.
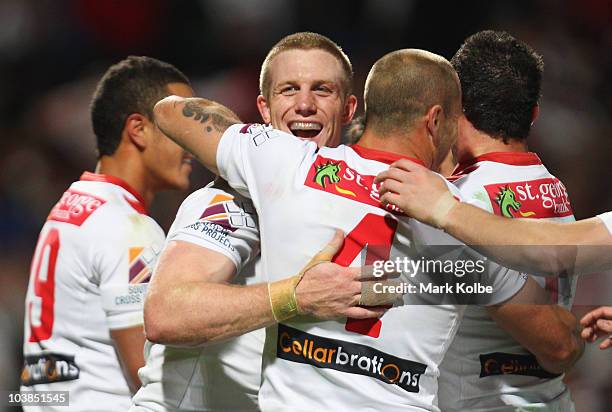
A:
{"x": 305, "y": 103}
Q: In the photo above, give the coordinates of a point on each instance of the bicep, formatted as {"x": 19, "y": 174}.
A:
{"x": 182, "y": 262}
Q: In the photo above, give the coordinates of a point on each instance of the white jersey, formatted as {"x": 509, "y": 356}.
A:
{"x": 485, "y": 369}
{"x": 216, "y": 377}
{"x": 607, "y": 219}
{"x": 302, "y": 194}
{"x": 88, "y": 276}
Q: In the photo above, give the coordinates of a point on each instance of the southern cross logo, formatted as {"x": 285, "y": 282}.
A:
{"x": 141, "y": 260}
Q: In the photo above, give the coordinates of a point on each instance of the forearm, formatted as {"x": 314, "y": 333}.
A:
{"x": 129, "y": 343}
{"x": 548, "y": 331}
{"x": 202, "y": 312}
{"x": 196, "y": 124}
{"x": 569, "y": 346}
{"x": 532, "y": 245}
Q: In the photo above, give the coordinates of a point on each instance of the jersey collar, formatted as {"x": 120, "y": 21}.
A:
{"x": 138, "y": 205}
{"x": 508, "y": 158}
{"x": 380, "y": 156}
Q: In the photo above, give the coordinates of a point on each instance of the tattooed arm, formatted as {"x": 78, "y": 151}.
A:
{"x": 196, "y": 124}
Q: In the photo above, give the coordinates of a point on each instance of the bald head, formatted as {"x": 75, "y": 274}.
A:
{"x": 403, "y": 85}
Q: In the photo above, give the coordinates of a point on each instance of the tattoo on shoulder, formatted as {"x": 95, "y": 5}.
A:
{"x": 202, "y": 115}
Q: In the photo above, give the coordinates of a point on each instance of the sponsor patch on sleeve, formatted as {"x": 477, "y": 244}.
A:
{"x": 229, "y": 214}
{"x": 141, "y": 261}
{"x": 536, "y": 199}
{"x": 259, "y": 133}
{"x": 75, "y": 207}
{"x": 499, "y": 363}
{"x": 123, "y": 298}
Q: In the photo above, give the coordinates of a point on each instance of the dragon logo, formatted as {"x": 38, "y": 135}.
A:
{"x": 506, "y": 199}
{"x": 327, "y": 172}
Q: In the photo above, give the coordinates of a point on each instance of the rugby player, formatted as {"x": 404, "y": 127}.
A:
{"x": 500, "y": 82}
{"x": 96, "y": 251}
{"x": 305, "y": 86}
{"x": 412, "y": 101}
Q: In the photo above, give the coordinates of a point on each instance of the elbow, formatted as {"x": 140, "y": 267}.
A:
{"x": 164, "y": 327}
{"x": 570, "y": 351}
{"x": 162, "y": 111}
{"x": 562, "y": 356}
{"x": 159, "y": 325}
{"x": 156, "y": 325}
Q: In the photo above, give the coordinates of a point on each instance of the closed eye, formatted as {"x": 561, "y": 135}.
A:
{"x": 323, "y": 90}
{"x": 289, "y": 90}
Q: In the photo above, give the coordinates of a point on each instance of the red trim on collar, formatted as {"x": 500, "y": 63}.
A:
{"x": 138, "y": 205}
{"x": 509, "y": 158}
{"x": 381, "y": 156}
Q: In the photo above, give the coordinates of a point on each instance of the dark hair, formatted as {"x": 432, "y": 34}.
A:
{"x": 133, "y": 85}
{"x": 501, "y": 80}
{"x": 306, "y": 41}
{"x": 403, "y": 85}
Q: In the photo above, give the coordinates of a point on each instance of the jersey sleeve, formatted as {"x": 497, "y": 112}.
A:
{"x": 219, "y": 219}
{"x": 253, "y": 158}
{"x": 607, "y": 220}
{"x": 124, "y": 260}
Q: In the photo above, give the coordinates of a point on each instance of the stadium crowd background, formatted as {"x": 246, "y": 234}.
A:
{"x": 52, "y": 52}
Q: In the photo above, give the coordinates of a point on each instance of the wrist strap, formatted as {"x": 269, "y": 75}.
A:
{"x": 282, "y": 298}
{"x": 441, "y": 209}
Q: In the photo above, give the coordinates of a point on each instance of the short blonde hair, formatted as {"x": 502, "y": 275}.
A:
{"x": 307, "y": 41}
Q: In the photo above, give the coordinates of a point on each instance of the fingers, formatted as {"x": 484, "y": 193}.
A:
{"x": 327, "y": 253}
{"x": 392, "y": 173}
{"x": 408, "y": 165}
{"x": 334, "y": 245}
{"x": 606, "y": 343}
{"x": 391, "y": 198}
{"x": 366, "y": 313}
{"x": 590, "y": 335}
{"x": 377, "y": 293}
{"x": 604, "y": 326}
{"x": 390, "y": 186}
{"x": 604, "y": 312}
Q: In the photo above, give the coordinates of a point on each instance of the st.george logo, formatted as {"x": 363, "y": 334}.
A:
{"x": 327, "y": 174}
{"x": 506, "y": 199}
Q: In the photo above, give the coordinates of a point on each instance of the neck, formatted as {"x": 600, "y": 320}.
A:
{"x": 128, "y": 169}
{"x": 413, "y": 144}
{"x": 475, "y": 143}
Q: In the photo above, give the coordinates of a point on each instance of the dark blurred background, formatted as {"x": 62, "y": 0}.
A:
{"x": 52, "y": 52}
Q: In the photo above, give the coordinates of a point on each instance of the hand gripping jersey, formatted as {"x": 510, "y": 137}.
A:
{"x": 485, "y": 369}
{"x": 607, "y": 219}
{"x": 301, "y": 194}
{"x": 88, "y": 276}
{"x": 216, "y": 377}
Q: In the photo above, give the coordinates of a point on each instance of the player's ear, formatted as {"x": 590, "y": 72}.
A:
{"x": 135, "y": 126}
{"x": 264, "y": 109}
{"x": 535, "y": 113}
{"x": 350, "y": 107}
{"x": 434, "y": 120}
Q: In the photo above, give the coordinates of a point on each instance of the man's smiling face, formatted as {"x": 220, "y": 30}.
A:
{"x": 306, "y": 96}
